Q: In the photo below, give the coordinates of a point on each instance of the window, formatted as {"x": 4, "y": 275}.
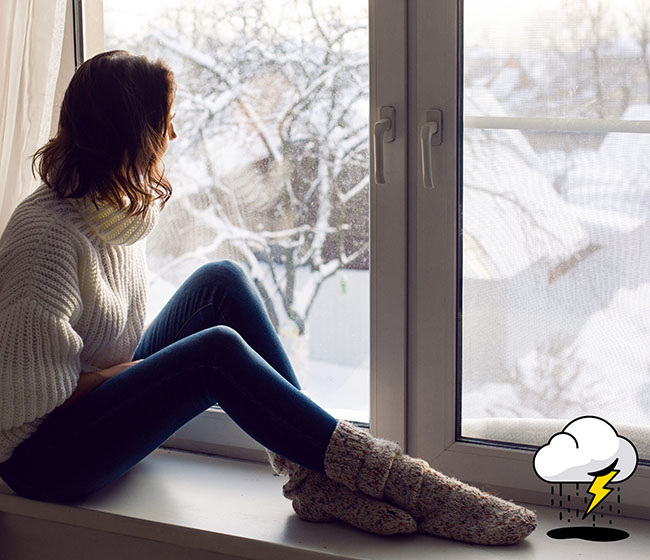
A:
{"x": 555, "y": 207}
{"x": 506, "y": 259}
{"x": 529, "y": 261}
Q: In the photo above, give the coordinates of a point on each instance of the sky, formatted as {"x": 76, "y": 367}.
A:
{"x": 516, "y": 23}
{"x": 505, "y": 23}
{"x": 126, "y": 16}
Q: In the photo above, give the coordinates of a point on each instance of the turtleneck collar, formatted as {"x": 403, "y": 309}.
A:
{"x": 115, "y": 226}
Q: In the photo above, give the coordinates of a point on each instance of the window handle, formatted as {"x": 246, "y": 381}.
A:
{"x": 384, "y": 131}
{"x": 430, "y": 135}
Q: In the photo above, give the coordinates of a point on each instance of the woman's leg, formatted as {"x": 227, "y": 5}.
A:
{"x": 84, "y": 447}
{"x": 218, "y": 293}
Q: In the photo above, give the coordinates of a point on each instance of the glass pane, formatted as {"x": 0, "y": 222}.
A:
{"x": 556, "y": 208}
{"x": 270, "y": 167}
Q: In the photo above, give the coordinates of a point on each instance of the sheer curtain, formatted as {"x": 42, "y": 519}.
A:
{"x": 31, "y": 37}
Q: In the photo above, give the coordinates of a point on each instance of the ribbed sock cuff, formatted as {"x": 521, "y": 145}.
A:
{"x": 359, "y": 461}
{"x": 344, "y": 454}
{"x": 404, "y": 484}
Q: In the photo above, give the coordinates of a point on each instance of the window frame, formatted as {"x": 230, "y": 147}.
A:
{"x": 414, "y": 265}
{"x": 434, "y": 304}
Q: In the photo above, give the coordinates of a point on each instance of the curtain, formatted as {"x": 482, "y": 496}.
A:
{"x": 31, "y": 38}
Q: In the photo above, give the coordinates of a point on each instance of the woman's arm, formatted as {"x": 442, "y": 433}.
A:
{"x": 92, "y": 379}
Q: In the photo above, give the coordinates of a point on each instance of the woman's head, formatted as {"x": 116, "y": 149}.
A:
{"x": 114, "y": 128}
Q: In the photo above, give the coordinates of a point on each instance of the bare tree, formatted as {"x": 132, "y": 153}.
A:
{"x": 577, "y": 42}
{"x": 293, "y": 97}
{"x": 639, "y": 21}
{"x": 555, "y": 385}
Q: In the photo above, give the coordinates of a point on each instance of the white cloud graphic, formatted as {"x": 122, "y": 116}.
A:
{"x": 586, "y": 445}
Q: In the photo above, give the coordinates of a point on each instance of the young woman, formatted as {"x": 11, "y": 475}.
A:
{"x": 85, "y": 394}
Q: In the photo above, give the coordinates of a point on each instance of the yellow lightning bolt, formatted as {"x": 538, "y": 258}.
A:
{"x": 598, "y": 490}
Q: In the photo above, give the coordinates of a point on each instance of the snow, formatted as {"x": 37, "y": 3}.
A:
{"x": 507, "y": 81}
{"x": 605, "y": 371}
{"x": 601, "y": 224}
{"x": 334, "y": 386}
{"x": 513, "y": 217}
{"x": 613, "y": 183}
{"x": 603, "y": 366}
{"x": 615, "y": 346}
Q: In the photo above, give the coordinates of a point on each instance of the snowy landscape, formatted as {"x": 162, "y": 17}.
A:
{"x": 271, "y": 170}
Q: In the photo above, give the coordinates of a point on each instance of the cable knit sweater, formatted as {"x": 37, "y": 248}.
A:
{"x": 73, "y": 293}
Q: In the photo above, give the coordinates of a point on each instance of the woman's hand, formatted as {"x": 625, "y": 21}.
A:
{"x": 92, "y": 379}
{"x": 113, "y": 370}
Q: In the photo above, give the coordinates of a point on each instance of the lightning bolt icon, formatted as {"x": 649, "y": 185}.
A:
{"x": 598, "y": 488}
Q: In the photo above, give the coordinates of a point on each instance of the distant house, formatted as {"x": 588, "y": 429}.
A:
{"x": 516, "y": 230}
{"x": 511, "y": 77}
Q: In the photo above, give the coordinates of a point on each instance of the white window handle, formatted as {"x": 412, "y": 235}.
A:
{"x": 384, "y": 131}
{"x": 430, "y": 135}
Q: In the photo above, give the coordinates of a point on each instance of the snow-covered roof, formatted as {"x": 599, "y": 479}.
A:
{"x": 512, "y": 216}
{"x": 507, "y": 80}
{"x": 613, "y": 344}
{"x": 613, "y": 184}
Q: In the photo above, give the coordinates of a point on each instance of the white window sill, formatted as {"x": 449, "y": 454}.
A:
{"x": 213, "y": 507}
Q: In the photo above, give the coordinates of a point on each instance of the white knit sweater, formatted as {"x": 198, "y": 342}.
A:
{"x": 73, "y": 294}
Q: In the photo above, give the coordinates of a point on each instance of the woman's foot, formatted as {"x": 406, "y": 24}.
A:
{"x": 441, "y": 505}
{"x": 315, "y": 497}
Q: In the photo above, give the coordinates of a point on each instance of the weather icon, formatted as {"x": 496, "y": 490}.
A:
{"x": 587, "y": 450}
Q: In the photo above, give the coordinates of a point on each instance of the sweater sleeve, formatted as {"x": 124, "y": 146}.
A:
{"x": 40, "y": 303}
{"x": 39, "y": 361}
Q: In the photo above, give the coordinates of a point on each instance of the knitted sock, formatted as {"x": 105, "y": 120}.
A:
{"x": 315, "y": 497}
{"x": 441, "y": 505}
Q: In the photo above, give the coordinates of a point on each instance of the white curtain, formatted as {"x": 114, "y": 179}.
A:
{"x": 31, "y": 38}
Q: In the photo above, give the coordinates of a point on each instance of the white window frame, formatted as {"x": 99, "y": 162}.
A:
{"x": 435, "y": 81}
{"x": 414, "y": 262}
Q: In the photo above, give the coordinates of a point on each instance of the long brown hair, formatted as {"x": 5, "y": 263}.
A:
{"x": 112, "y": 133}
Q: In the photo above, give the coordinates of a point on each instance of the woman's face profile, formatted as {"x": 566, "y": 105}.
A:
{"x": 171, "y": 131}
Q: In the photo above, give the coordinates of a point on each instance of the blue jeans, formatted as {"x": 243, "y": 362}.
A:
{"x": 212, "y": 343}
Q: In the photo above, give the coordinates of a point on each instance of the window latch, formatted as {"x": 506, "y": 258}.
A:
{"x": 430, "y": 135}
{"x": 384, "y": 131}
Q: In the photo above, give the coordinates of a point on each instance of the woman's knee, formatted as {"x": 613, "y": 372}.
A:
{"x": 218, "y": 346}
{"x": 222, "y": 341}
{"x": 225, "y": 351}
{"x": 225, "y": 271}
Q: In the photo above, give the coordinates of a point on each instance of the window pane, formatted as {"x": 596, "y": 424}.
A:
{"x": 270, "y": 167}
{"x": 556, "y": 202}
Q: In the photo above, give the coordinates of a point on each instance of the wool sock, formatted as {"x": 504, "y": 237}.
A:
{"x": 317, "y": 498}
{"x": 441, "y": 505}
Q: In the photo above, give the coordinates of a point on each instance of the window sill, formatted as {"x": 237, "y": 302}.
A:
{"x": 213, "y": 507}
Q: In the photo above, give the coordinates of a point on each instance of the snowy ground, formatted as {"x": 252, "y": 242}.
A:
{"x": 343, "y": 391}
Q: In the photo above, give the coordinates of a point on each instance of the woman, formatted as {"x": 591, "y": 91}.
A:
{"x": 85, "y": 395}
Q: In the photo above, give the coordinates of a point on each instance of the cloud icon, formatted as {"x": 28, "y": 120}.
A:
{"x": 585, "y": 448}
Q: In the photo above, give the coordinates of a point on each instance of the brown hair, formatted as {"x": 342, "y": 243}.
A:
{"x": 112, "y": 133}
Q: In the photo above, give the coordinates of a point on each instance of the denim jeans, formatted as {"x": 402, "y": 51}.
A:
{"x": 212, "y": 343}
